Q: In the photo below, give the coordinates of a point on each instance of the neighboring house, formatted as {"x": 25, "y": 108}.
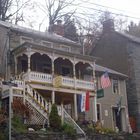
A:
{"x": 112, "y": 109}
{"x": 49, "y": 69}
{"x": 121, "y": 52}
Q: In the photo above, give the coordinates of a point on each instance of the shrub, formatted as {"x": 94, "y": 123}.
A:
{"x": 2, "y": 136}
{"x": 18, "y": 125}
{"x": 54, "y": 118}
{"x": 68, "y": 129}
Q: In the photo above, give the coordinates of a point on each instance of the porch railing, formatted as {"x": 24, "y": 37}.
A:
{"x": 69, "y": 82}
{"x": 38, "y": 77}
{"x": 59, "y": 81}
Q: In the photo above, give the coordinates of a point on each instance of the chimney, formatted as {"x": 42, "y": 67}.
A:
{"x": 108, "y": 25}
{"x": 57, "y": 28}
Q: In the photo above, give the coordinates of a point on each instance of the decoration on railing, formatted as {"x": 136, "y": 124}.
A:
{"x": 58, "y": 81}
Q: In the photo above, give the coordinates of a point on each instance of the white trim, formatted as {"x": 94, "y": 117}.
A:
{"x": 25, "y": 39}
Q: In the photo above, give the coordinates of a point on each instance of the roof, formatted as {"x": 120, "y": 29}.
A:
{"x": 130, "y": 37}
{"x": 103, "y": 69}
{"x": 36, "y": 46}
{"x": 46, "y": 35}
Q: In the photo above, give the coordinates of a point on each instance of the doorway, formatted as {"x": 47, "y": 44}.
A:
{"x": 117, "y": 118}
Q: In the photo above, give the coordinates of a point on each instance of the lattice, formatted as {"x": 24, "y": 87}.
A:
{"x": 37, "y": 118}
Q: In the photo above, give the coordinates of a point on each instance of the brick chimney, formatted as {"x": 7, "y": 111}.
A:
{"x": 57, "y": 28}
{"x": 108, "y": 25}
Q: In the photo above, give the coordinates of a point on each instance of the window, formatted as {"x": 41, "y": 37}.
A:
{"x": 25, "y": 39}
{"x": 115, "y": 84}
{"x": 65, "y": 48}
{"x": 47, "y": 44}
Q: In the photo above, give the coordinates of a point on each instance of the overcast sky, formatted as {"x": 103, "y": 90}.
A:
{"x": 130, "y": 8}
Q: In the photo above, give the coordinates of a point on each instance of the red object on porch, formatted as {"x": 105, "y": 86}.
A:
{"x": 133, "y": 123}
{"x": 87, "y": 101}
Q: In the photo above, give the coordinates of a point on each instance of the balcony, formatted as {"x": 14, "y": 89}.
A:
{"x": 59, "y": 81}
{"x": 69, "y": 83}
{"x": 38, "y": 77}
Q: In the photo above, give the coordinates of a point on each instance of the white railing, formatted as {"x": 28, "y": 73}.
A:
{"x": 60, "y": 80}
{"x": 38, "y": 77}
{"x": 37, "y": 98}
{"x": 68, "y": 81}
{"x": 68, "y": 119}
{"x": 20, "y": 84}
{"x": 80, "y": 84}
{"x": 85, "y": 85}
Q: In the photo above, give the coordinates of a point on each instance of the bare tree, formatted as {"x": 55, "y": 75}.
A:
{"x": 12, "y": 10}
{"x": 56, "y": 9}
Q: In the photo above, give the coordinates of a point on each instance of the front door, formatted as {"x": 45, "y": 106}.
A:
{"x": 117, "y": 119}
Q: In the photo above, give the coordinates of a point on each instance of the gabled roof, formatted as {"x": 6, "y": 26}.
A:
{"x": 110, "y": 71}
{"x": 45, "y": 35}
{"x": 129, "y": 37}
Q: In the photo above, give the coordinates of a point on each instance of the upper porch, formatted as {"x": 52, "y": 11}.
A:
{"x": 42, "y": 65}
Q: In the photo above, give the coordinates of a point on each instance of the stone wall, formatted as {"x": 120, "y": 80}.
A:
{"x": 60, "y": 136}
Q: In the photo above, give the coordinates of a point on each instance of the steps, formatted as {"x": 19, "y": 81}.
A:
{"x": 38, "y": 104}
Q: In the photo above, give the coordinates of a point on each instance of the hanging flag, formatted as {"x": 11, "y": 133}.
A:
{"x": 83, "y": 102}
{"x": 105, "y": 81}
{"x": 87, "y": 101}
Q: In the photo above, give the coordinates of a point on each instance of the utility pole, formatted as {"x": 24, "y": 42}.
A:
{"x": 10, "y": 85}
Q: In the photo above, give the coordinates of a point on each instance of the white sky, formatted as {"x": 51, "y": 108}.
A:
{"x": 126, "y": 7}
{"x": 131, "y": 7}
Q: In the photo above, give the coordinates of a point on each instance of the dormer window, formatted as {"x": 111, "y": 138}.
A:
{"x": 65, "y": 48}
{"x": 25, "y": 39}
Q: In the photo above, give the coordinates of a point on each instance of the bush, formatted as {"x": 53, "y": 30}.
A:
{"x": 54, "y": 118}
{"x": 68, "y": 129}
{"x": 18, "y": 125}
{"x": 2, "y": 136}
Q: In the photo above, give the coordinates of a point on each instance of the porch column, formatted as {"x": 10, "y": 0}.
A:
{"x": 95, "y": 108}
{"x": 53, "y": 67}
{"x": 15, "y": 65}
{"x": 29, "y": 62}
{"x": 75, "y": 107}
{"x": 95, "y": 96}
{"x": 75, "y": 95}
{"x": 53, "y": 97}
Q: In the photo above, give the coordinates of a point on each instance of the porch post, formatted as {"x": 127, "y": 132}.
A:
{"x": 53, "y": 97}
{"x": 75, "y": 95}
{"x": 95, "y": 96}
{"x": 29, "y": 62}
{"x": 95, "y": 108}
{"x": 75, "y": 106}
{"x": 15, "y": 65}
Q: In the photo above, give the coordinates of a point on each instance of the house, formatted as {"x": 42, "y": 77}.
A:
{"x": 46, "y": 69}
{"x": 121, "y": 52}
{"x": 112, "y": 107}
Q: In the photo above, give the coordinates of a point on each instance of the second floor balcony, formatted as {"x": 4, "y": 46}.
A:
{"x": 59, "y": 69}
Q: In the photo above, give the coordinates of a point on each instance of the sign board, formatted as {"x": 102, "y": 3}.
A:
{"x": 100, "y": 93}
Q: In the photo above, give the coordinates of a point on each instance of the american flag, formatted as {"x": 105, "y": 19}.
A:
{"x": 105, "y": 81}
